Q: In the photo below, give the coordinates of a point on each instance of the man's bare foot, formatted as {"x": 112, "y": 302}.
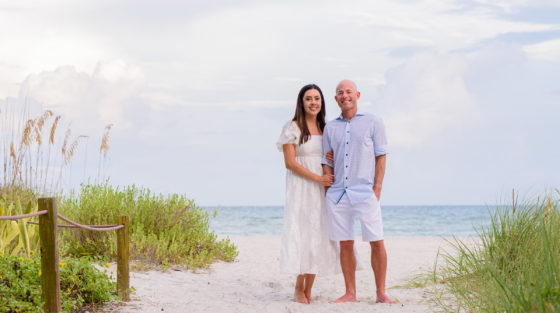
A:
{"x": 346, "y": 298}
{"x": 383, "y": 298}
{"x": 300, "y": 297}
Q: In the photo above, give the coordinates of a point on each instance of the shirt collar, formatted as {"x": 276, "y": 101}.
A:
{"x": 341, "y": 117}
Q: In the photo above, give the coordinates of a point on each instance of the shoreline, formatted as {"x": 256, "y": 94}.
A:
{"x": 254, "y": 283}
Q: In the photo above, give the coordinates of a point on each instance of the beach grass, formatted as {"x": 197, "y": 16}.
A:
{"x": 513, "y": 267}
{"x": 35, "y": 158}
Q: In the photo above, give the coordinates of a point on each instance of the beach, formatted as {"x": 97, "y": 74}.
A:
{"x": 253, "y": 282}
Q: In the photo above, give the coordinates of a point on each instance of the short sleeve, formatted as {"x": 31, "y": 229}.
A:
{"x": 379, "y": 137}
{"x": 289, "y": 135}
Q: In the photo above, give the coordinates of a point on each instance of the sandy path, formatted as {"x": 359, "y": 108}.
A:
{"x": 253, "y": 282}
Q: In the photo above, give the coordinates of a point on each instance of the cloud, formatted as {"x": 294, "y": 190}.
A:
{"x": 510, "y": 6}
{"x": 231, "y": 47}
{"x": 40, "y": 36}
{"x": 442, "y": 24}
{"x": 89, "y": 100}
{"x": 547, "y": 50}
{"x": 425, "y": 98}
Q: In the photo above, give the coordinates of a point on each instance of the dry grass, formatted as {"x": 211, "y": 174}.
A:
{"x": 103, "y": 149}
{"x": 105, "y": 141}
{"x": 35, "y": 156}
{"x": 53, "y": 129}
{"x": 72, "y": 149}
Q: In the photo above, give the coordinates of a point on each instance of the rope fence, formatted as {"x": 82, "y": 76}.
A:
{"x": 72, "y": 226}
{"x": 88, "y": 227}
{"x": 48, "y": 237}
{"x": 19, "y": 217}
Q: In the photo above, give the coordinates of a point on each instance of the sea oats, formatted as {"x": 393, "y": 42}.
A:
{"x": 38, "y": 135}
{"x": 41, "y": 120}
{"x": 72, "y": 149}
{"x": 29, "y": 126}
{"x": 65, "y": 143}
{"x": 13, "y": 152}
{"x": 105, "y": 141}
{"x": 53, "y": 129}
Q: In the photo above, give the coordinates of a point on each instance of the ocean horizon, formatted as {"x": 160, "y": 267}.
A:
{"x": 398, "y": 220}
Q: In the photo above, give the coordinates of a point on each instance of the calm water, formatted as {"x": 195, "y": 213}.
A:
{"x": 397, "y": 220}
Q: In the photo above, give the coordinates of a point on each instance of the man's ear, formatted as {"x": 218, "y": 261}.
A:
{"x": 357, "y": 95}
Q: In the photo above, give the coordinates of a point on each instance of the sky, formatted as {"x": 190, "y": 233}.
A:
{"x": 198, "y": 91}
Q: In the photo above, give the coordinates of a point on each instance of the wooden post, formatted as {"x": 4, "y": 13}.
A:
{"x": 123, "y": 253}
{"x": 48, "y": 235}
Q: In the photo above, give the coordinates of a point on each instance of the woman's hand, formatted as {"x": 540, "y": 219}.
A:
{"x": 326, "y": 180}
{"x": 329, "y": 157}
{"x": 377, "y": 192}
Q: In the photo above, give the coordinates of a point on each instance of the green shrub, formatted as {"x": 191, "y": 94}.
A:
{"x": 516, "y": 267}
{"x": 80, "y": 282}
{"x": 163, "y": 229}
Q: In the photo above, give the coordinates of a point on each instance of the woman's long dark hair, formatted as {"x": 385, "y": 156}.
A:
{"x": 299, "y": 116}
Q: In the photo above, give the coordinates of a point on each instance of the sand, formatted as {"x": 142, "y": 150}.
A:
{"x": 253, "y": 283}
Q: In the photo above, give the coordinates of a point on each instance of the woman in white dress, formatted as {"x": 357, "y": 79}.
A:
{"x": 306, "y": 248}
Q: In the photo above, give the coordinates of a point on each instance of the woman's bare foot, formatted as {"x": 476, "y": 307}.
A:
{"x": 299, "y": 291}
{"x": 346, "y": 298}
{"x": 309, "y": 279}
{"x": 383, "y": 298}
{"x": 300, "y": 297}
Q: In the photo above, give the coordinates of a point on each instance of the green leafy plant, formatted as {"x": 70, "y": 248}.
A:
{"x": 163, "y": 229}
{"x": 17, "y": 237}
{"x": 80, "y": 281}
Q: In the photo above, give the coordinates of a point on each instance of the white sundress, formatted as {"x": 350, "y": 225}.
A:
{"x": 306, "y": 248}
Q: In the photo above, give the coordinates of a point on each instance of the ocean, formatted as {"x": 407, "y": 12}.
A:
{"x": 398, "y": 221}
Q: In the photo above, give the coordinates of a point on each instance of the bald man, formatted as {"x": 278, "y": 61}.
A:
{"x": 359, "y": 147}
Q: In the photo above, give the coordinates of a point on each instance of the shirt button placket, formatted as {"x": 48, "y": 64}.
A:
{"x": 346, "y": 153}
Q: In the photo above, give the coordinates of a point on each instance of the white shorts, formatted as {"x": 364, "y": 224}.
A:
{"x": 342, "y": 215}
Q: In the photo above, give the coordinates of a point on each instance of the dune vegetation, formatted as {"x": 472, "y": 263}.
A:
{"x": 513, "y": 265}
{"x": 165, "y": 229}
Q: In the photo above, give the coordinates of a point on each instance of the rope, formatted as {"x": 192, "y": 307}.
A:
{"x": 18, "y": 217}
{"x": 89, "y": 227}
{"x": 72, "y": 226}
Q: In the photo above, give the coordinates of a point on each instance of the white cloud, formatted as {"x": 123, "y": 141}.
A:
{"x": 425, "y": 98}
{"x": 38, "y": 36}
{"x": 547, "y": 50}
{"x": 441, "y": 24}
{"x": 232, "y": 50}
{"x": 233, "y": 47}
{"x": 515, "y": 5}
{"x": 89, "y": 100}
